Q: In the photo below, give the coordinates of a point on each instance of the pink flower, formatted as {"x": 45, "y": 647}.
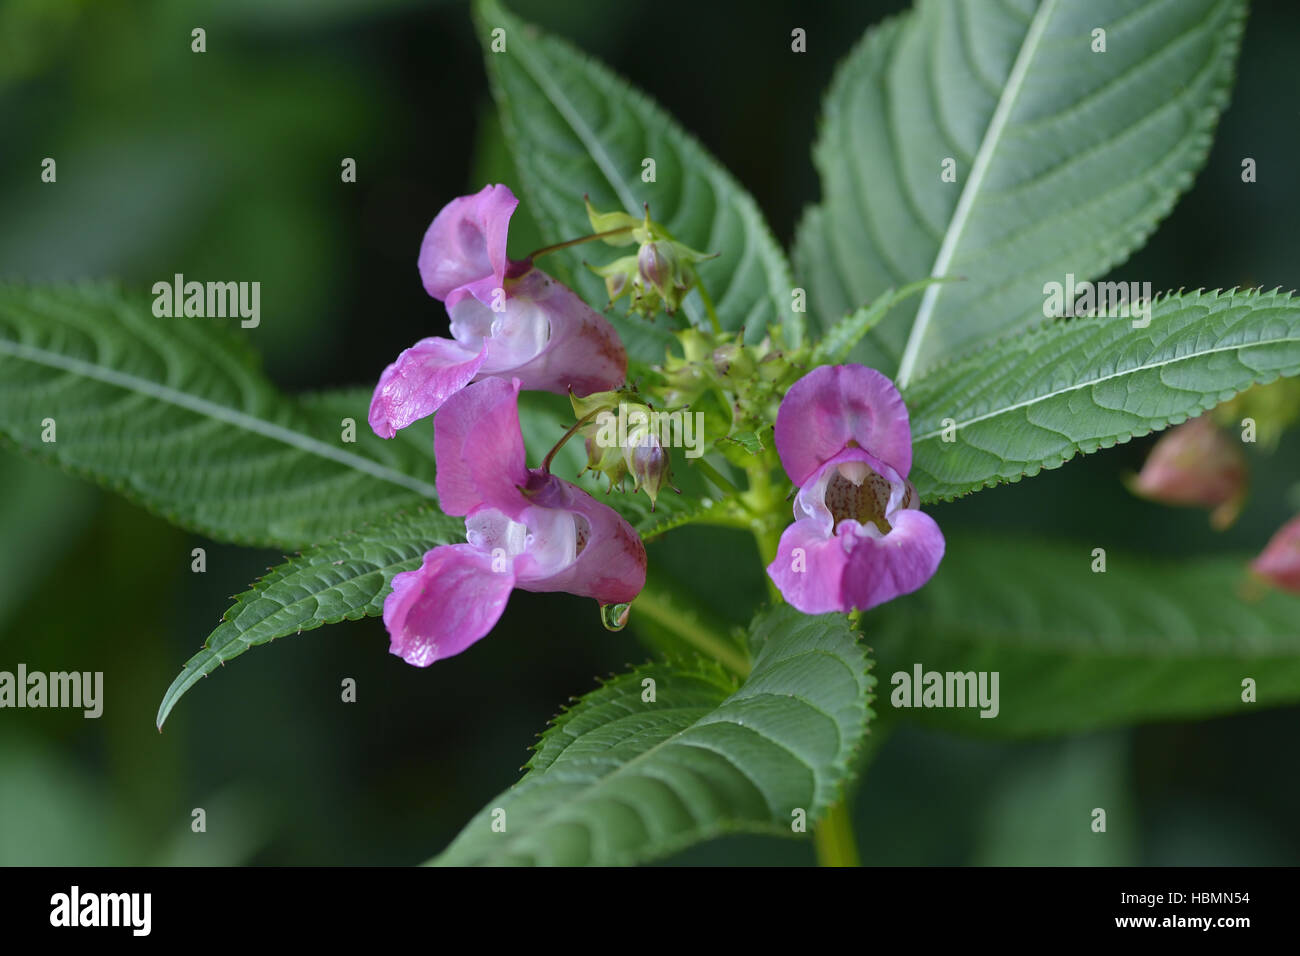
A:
{"x": 1196, "y": 464}
{"x": 1279, "y": 562}
{"x": 508, "y": 319}
{"x": 525, "y": 529}
{"x": 857, "y": 541}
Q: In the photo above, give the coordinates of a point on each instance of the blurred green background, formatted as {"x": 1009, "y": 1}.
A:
{"x": 226, "y": 165}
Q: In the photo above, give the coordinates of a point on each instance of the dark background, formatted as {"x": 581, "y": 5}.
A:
{"x": 226, "y": 165}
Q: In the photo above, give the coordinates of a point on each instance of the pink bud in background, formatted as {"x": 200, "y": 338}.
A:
{"x": 1279, "y": 562}
{"x": 1196, "y": 465}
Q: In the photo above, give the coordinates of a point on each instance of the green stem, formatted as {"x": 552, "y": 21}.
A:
{"x": 547, "y": 250}
{"x": 715, "y": 476}
{"x": 834, "y": 840}
{"x": 833, "y": 837}
{"x": 769, "y": 542}
{"x": 661, "y": 610}
{"x": 765, "y": 525}
{"x": 550, "y": 455}
{"x": 709, "y": 310}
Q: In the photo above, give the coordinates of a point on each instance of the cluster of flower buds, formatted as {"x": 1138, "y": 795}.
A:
{"x": 624, "y": 437}
{"x": 659, "y": 274}
{"x": 741, "y": 383}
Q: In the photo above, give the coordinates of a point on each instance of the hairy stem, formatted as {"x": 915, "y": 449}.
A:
{"x": 834, "y": 840}
{"x": 660, "y": 609}
{"x": 550, "y": 455}
{"x": 718, "y": 478}
{"x": 708, "y": 309}
{"x": 547, "y": 250}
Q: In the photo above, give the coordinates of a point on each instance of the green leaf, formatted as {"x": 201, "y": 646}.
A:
{"x": 840, "y": 338}
{"x": 175, "y": 415}
{"x": 346, "y": 579}
{"x": 670, "y": 511}
{"x": 1077, "y": 650}
{"x": 752, "y": 441}
{"x": 575, "y": 128}
{"x": 1037, "y": 399}
{"x": 618, "y": 780}
{"x": 1065, "y": 159}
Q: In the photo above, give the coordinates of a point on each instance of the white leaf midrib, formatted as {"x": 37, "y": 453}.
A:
{"x": 217, "y": 412}
{"x": 979, "y": 169}
{"x": 595, "y": 148}
{"x": 1100, "y": 379}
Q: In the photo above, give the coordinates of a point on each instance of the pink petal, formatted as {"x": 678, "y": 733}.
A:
{"x": 583, "y": 353}
{"x": 480, "y": 450}
{"x": 817, "y": 572}
{"x": 464, "y": 250}
{"x": 809, "y": 568}
{"x": 882, "y": 568}
{"x": 453, "y": 599}
{"x": 1279, "y": 562}
{"x": 611, "y": 560}
{"x": 833, "y": 405}
{"x": 419, "y": 382}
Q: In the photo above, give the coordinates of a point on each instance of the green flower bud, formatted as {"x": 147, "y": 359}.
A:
{"x": 696, "y": 346}
{"x": 606, "y": 461}
{"x": 582, "y": 407}
{"x": 659, "y": 275}
{"x": 611, "y": 221}
{"x": 734, "y": 361}
{"x": 621, "y": 278}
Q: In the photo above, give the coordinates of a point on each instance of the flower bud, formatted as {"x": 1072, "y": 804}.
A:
{"x": 613, "y": 420}
{"x": 648, "y": 463}
{"x": 1195, "y": 464}
{"x": 1279, "y": 562}
{"x": 661, "y": 268}
{"x": 615, "y": 285}
{"x": 653, "y": 260}
{"x": 733, "y": 361}
{"x": 775, "y": 367}
{"x": 660, "y": 274}
{"x": 687, "y": 377}
{"x": 621, "y": 278}
{"x": 607, "y": 461}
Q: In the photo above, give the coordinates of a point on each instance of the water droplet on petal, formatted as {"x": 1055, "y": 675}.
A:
{"x": 614, "y": 616}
